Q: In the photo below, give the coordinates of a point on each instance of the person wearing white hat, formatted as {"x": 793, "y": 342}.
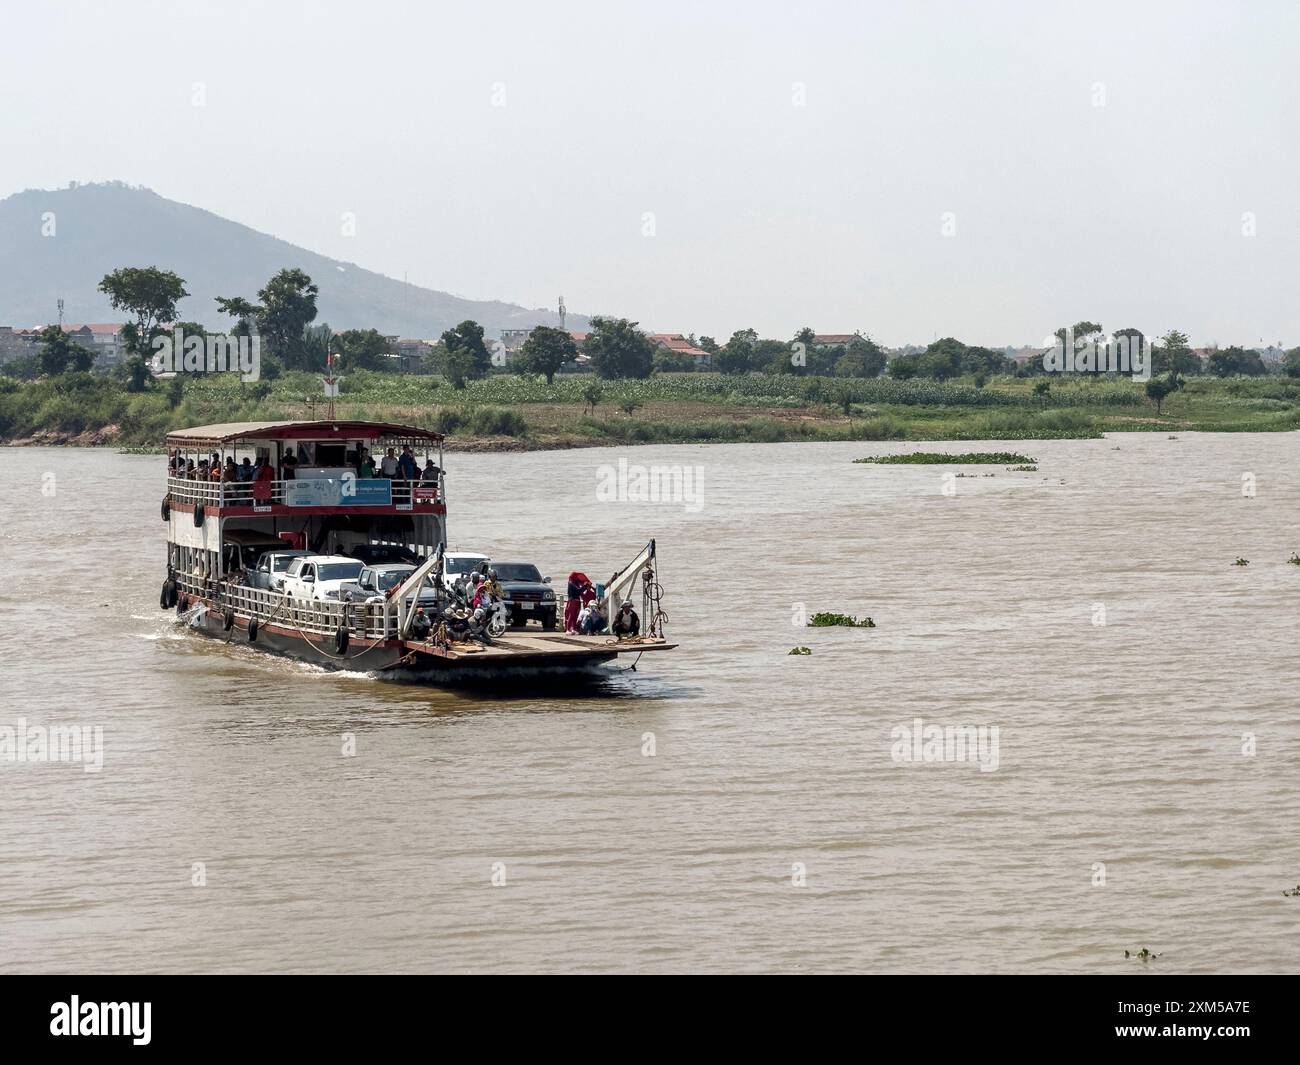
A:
{"x": 626, "y": 622}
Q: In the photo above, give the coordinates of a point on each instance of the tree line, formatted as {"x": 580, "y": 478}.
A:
{"x": 285, "y": 311}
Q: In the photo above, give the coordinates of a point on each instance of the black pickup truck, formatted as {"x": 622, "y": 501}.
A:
{"x": 528, "y": 595}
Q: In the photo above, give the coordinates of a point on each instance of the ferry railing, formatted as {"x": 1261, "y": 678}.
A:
{"x": 183, "y": 490}
{"x": 241, "y": 493}
{"x": 321, "y": 617}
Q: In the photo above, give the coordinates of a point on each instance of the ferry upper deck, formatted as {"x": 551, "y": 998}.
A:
{"x": 314, "y": 469}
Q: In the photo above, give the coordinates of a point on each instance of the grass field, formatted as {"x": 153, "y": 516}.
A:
{"x": 512, "y": 412}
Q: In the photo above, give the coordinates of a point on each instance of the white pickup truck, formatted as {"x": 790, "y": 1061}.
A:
{"x": 458, "y": 565}
{"x": 378, "y": 582}
{"x": 319, "y": 577}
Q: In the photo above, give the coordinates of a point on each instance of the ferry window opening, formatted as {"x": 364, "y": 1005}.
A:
{"x": 331, "y": 454}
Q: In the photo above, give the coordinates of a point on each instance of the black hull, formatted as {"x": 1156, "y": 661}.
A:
{"x": 362, "y": 655}
{"x": 389, "y": 659}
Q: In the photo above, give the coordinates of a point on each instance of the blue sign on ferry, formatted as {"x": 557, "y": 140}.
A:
{"x": 339, "y": 492}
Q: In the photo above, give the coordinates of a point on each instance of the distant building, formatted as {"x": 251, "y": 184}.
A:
{"x": 15, "y": 343}
{"x": 103, "y": 340}
{"x": 834, "y": 340}
{"x": 675, "y": 342}
{"x": 513, "y": 339}
{"x": 410, "y": 355}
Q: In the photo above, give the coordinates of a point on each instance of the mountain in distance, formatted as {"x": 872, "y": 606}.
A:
{"x": 100, "y": 227}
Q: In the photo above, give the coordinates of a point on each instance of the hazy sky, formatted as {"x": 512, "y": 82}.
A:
{"x": 797, "y": 159}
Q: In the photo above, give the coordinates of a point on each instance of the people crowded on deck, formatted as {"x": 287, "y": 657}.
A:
{"x": 578, "y": 582}
{"x": 626, "y": 622}
{"x": 421, "y": 624}
{"x": 484, "y": 601}
{"x": 246, "y": 470}
{"x": 482, "y": 591}
{"x": 590, "y": 619}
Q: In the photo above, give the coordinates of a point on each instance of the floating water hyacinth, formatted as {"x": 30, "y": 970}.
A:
{"x": 1144, "y": 954}
{"x": 938, "y": 458}
{"x": 800, "y": 651}
{"x": 1242, "y": 561}
{"x": 824, "y": 620}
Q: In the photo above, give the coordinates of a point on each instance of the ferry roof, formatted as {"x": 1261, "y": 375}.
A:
{"x": 205, "y": 435}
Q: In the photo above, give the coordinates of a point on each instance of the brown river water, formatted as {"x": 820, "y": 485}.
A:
{"x": 727, "y": 806}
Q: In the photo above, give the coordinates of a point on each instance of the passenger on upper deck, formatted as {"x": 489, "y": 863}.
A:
{"x": 288, "y": 471}
{"x": 431, "y": 471}
{"x": 262, "y": 481}
{"x": 366, "y": 468}
{"x": 389, "y": 467}
{"x": 246, "y": 470}
{"x": 406, "y": 465}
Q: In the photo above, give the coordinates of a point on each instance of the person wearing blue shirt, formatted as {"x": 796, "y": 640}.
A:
{"x": 406, "y": 464}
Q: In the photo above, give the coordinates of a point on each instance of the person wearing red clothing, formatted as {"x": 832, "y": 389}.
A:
{"x": 262, "y": 482}
{"x": 578, "y": 583}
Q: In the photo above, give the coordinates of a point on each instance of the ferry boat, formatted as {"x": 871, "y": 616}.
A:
{"x": 307, "y": 495}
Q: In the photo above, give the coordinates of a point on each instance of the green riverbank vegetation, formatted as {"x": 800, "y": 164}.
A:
{"x": 628, "y": 392}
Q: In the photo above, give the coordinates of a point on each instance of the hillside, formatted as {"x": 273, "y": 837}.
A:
{"x": 101, "y": 227}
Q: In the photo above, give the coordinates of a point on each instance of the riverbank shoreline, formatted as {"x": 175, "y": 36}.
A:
{"x": 509, "y": 413}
